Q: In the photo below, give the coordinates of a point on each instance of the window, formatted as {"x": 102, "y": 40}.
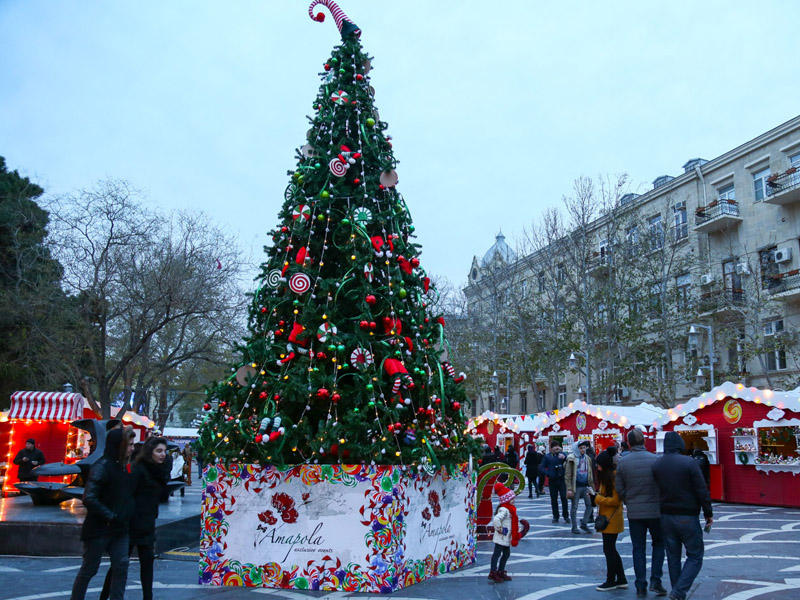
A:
{"x": 732, "y": 281}
{"x": 727, "y": 193}
{"x": 562, "y": 396}
{"x": 540, "y": 282}
{"x": 654, "y": 299}
{"x": 769, "y": 268}
{"x": 760, "y": 184}
{"x": 541, "y": 397}
{"x": 679, "y": 227}
{"x": 794, "y": 162}
{"x": 776, "y": 356}
{"x": 631, "y": 235}
{"x": 560, "y": 273}
{"x": 523, "y": 402}
{"x": 683, "y": 284}
{"x": 655, "y": 228}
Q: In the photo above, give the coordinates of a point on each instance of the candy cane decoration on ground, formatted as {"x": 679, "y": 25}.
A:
{"x": 343, "y": 23}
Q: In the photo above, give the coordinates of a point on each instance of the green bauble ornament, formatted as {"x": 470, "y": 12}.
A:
{"x": 370, "y": 122}
{"x": 320, "y": 217}
{"x": 331, "y": 347}
{"x": 342, "y": 71}
{"x": 402, "y": 292}
{"x": 340, "y": 348}
{"x": 345, "y": 221}
{"x": 324, "y": 194}
{"x": 370, "y": 387}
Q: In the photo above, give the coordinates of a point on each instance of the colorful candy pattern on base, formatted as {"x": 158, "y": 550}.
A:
{"x": 404, "y": 526}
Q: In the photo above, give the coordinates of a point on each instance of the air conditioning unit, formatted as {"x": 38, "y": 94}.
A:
{"x": 783, "y": 255}
{"x": 707, "y": 279}
{"x": 742, "y": 269}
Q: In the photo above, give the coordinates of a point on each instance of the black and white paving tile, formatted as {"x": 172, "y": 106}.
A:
{"x": 751, "y": 553}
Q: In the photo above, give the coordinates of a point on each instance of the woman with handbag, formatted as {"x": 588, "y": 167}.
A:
{"x": 609, "y": 522}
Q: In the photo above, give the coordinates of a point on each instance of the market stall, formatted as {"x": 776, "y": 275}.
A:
{"x": 750, "y": 437}
{"x": 496, "y": 430}
{"x": 46, "y": 417}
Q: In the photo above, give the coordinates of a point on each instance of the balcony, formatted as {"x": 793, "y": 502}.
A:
{"x": 784, "y": 286}
{"x": 717, "y": 216}
{"x": 598, "y": 265}
{"x": 784, "y": 188}
{"x": 721, "y": 301}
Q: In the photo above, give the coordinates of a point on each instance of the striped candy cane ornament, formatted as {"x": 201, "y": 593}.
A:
{"x": 343, "y": 23}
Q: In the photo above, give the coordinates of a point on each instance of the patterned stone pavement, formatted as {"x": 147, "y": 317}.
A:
{"x": 751, "y": 553}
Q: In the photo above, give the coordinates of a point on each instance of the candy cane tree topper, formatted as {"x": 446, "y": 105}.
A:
{"x": 343, "y": 23}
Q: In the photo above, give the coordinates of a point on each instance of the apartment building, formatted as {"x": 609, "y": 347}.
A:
{"x": 736, "y": 219}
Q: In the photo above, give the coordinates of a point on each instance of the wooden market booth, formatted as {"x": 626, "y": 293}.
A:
{"x": 750, "y": 437}
{"x": 46, "y": 417}
{"x": 496, "y": 430}
{"x": 601, "y": 425}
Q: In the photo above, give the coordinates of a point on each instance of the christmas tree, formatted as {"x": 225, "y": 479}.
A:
{"x": 344, "y": 361}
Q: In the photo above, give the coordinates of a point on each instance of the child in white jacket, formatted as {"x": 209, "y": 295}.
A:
{"x": 506, "y": 532}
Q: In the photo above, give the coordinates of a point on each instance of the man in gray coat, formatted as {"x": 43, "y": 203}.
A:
{"x": 637, "y": 487}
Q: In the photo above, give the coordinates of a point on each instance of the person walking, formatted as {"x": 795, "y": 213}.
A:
{"x": 610, "y": 511}
{"x": 109, "y": 506}
{"x": 532, "y": 460}
{"x": 637, "y": 487}
{"x": 683, "y": 493}
{"x": 553, "y": 467}
{"x": 579, "y": 480}
{"x": 511, "y": 458}
{"x": 27, "y": 460}
{"x": 506, "y": 533}
{"x": 147, "y": 482}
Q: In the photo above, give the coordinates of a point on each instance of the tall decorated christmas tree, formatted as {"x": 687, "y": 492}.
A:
{"x": 345, "y": 362}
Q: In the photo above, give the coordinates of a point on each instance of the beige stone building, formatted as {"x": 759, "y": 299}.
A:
{"x": 735, "y": 219}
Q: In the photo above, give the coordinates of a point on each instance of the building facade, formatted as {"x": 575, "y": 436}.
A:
{"x": 721, "y": 246}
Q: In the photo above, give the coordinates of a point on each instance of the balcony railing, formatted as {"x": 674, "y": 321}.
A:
{"x": 721, "y": 300}
{"x": 784, "y": 188}
{"x": 719, "y": 214}
{"x": 784, "y": 284}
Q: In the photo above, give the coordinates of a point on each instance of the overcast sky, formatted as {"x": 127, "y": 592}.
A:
{"x": 494, "y": 107}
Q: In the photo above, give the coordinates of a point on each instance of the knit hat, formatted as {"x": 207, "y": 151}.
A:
{"x": 503, "y": 493}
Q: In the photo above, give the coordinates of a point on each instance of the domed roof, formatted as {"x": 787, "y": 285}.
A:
{"x": 499, "y": 250}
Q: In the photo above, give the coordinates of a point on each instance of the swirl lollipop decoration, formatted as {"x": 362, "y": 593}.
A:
{"x": 732, "y": 411}
{"x": 274, "y": 278}
{"x": 345, "y": 26}
{"x": 300, "y": 283}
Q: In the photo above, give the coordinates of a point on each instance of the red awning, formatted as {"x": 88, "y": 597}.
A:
{"x": 53, "y": 406}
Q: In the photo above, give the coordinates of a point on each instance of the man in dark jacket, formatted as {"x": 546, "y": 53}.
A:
{"x": 109, "y": 505}
{"x": 532, "y": 460}
{"x": 705, "y": 466}
{"x": 28, "y": 459}
{"x": 511, "y": 458}
{"x": 553, "y": 467}
{"x": 637, "y": 488}
{"x": 683, "y": 493}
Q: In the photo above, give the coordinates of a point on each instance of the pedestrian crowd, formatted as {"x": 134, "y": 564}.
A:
{"x": 662, "y": 495}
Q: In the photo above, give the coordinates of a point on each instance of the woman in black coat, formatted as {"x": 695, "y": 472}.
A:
{"x": 147, "y": 483}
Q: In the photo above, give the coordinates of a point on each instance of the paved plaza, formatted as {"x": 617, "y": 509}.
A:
{"x": 751, "y": 552}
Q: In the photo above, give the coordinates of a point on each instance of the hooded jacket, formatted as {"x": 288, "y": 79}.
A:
{"x": 107, "y": 496}
{"x": 636, "y": 484}
{"x": 682, "y": 489}
{"x": 148, "y": 481}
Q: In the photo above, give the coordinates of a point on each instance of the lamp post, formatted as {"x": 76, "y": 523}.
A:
{"x": 694, "y": 342}
{"x": 573, "y": 364}
{"x": 496, "y": 381}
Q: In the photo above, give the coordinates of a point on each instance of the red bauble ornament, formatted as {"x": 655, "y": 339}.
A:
{"x": 206, "y": 406}
{"x": 284, "y": 229}
{"x": 359, "y": 77}
{"x": 373, "y": 325}
{"x": 363, "y": 324}
{"x": 370, "y": 299}
{"x": 437, "y": 401}
{"x": 336, "y": 397}
{"x": 380, "y": 187}
{"x": 276, "y": 397}
{"x": 263, "y": 309}
{"x": 263, "y": 395}
{"x": 356, "y": 181}
{"x": 258, "y": 438}
{"x": 223, "y": 404}
{"x": 456, "y": 405}
{"x": 327, "y": 67}
{"x": 334, "y": 448}
{"x": 321, "y": 356}
{"x": 322, "y": 393}
{"x": 415, "y": 262}
{"x": 281, "y": 323}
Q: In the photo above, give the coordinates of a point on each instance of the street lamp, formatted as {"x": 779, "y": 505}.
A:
{"x": 573, "y": 365}
{"x": 496, "y": 381}
{"x": 694, "y": 342}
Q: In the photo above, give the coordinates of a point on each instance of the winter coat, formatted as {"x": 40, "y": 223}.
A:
{"x": 571, "y": 471}
{"x": 108, "y": 494}
{"x": 501, "y": 520}
{"x": 511, "y": 458}
{"x": 636, "y": 485}
{"x": 532, "y": 460}
{"x": 553, "y": 466}
{"x": 26, "y": 466}
{"x": 682, "y": 489}
{"x": 611, "y": 507}
{"x": 148, "y": 483}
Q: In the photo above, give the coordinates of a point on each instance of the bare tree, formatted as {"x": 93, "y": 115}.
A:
{"x": 158, "y": 291}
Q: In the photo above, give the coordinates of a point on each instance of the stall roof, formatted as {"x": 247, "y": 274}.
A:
{"x": 508, "y": 420}
{"x": 50, "y": 406}
{"x": 782, "y": 400}
{"x": 625, "y": 416}
{"x": 181, "y": 432}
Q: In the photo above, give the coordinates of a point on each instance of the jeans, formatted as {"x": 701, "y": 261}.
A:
{"x": 682, "y": 531}
{"x": 501, "y": 552}
{"x": 93, "y": 550}
{"x": 146, "y": 554}
{"x": 534, "y": 483}
{"x": 639, "y": 529}
{"x": 558, "y": 488}
{"x": 615, "y": 572}
{"x": 581, "y": 493}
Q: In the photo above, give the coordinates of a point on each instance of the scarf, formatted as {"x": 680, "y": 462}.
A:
{"x": 514, "y": 522}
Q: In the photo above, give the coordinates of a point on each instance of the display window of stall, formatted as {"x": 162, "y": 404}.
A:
{"x": 602, "y": 439}
{"x": 696, "y": 436}
{"x": 778, "y": 445}
{"x": 745, "y": 445}
{"x": 505, "y": 441}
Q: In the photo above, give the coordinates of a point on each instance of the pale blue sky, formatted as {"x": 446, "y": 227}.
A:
{"x": 494, "y": 107}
